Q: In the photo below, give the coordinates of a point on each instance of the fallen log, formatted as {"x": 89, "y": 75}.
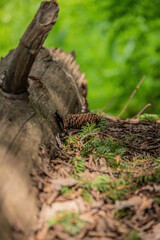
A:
{"x": 38, "y": 87}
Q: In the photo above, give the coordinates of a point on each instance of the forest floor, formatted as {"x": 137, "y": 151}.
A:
{"x": 103, "y": 182}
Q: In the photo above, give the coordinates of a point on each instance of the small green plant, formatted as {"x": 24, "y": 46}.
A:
{"x": 86, "y": 195}
{"x": 102, "y": 124}
{"x": 118, "y": 189}
{"x": 86, "y": 184}
{"x": 157, "y": 160}
{"x": 88, "y": 128}
{"x": 71, "y": 140}
{"x": 78, "y": 164}
{"x": 133, "y": 235}
{"x": 114, "y": 189}
{"x": 151, "y": 118}
{"x": 107, "y": 148}
{"x": 101, "y": 183}
{"x": 110, "y": 149}
{"x": 157, "y": 200}
{"x": 150, "y": 177}
{"x": 123, "y": 164}
{"x": 69, "y": 220}
{"x": 120, "y": 214}
{"x": 65, "y": 189}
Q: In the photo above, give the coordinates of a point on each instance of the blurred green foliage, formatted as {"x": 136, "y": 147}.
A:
{"x": 116, "y": 42}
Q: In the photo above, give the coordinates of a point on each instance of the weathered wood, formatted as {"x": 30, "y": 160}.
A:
{"x": 26, "y": 123}
{"x": 16, "y": 76}
{"x": 28, "y": 120}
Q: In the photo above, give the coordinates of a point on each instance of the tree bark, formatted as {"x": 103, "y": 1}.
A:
{"x": 15, "y": 80}
{"x": 37, "y": 84}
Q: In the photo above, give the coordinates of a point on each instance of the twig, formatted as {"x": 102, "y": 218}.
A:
{"x": 61, "y": 151}
{"x": 131, "y": 97}
{"x": 126, "y": 170}
{"x": 109, "y": 102}
{"x": 46, "y": 172}
{"x": 144, "y": 174}
{"x": 73, "y": 131}
{"x": 110, "y": 173}
{"x": 97, "y": 170}
{"x": 59, "y": 141}
{"x": 60, "y": 162}
{"x": 142, "y": 111}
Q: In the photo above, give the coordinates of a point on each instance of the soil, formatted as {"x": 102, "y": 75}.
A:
{"x": 124, "y": 204}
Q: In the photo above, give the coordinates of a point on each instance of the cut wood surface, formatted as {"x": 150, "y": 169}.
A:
{"x": 38, "y": 88}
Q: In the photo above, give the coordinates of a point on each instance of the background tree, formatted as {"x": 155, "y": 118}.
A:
{"x": 116, "y": 44}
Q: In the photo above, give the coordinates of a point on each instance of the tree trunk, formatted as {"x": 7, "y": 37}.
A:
{"x": 37, "y": 86}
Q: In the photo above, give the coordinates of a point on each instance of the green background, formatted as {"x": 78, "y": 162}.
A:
{"x": 116, "y": 43}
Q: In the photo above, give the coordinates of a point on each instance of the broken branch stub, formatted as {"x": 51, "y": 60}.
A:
{"x": 16, "y": 76}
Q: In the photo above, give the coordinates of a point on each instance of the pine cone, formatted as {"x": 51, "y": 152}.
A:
{"x": 78, "y": 120}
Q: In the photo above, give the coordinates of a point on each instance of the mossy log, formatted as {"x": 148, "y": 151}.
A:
{"x": 36, "y": 85}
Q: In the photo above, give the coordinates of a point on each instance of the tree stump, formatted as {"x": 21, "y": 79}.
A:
{"x": 38, "y": 87}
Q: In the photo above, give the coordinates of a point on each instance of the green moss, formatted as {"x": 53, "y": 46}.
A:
{"x": 151, "y": 118}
